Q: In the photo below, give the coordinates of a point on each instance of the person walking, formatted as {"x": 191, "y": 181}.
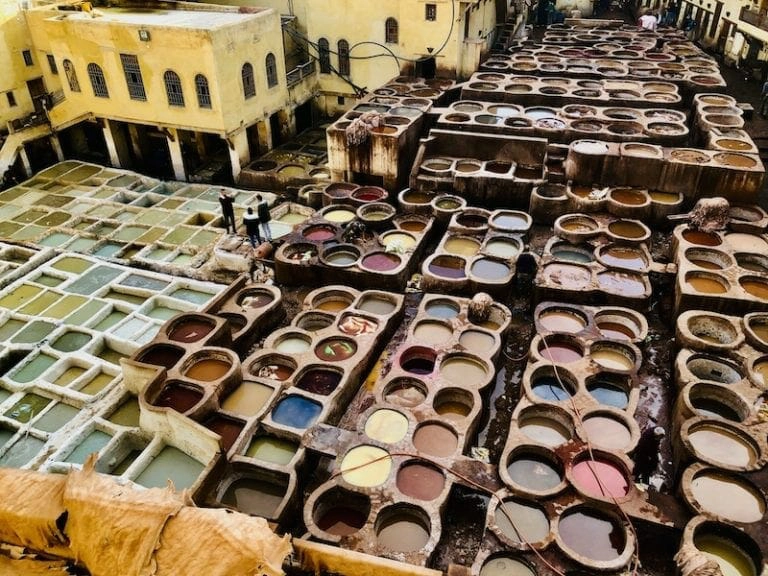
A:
{"x": 227, "y": 202}
{"x": 262, "y": 209}
{"x": 251, "y": 223}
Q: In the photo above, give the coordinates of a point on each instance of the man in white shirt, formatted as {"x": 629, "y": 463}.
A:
{"x": 648, "y": 21}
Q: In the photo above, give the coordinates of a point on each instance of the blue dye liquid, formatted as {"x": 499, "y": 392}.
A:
{"x": 609, "y": 395}
{"x": 548, "y": 388}
{"x": 296, "y": 412}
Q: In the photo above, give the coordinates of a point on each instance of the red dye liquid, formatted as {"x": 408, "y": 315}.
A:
{"x": 612, "y": 481}
{"x": 228, "y": 429}
{"x": 560, "y": 352}
{"x": 381, "y": 262}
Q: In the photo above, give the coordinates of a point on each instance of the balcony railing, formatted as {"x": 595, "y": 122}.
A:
{"x": 759, "y": 19}
{"x": 300, "y": 72}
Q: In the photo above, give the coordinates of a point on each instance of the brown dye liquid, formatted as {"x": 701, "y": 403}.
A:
{"x": 180, "y": 398}
{"x": 629, "y": 197}
{"x": 161, "y": 356}
{"x": 208, "y": 370}
{"x": 333, "y": 305}
{"x": 702, "y": 238}
{"x": 706, "y": 285}
{"x": 254, "y": 497}
{"x": 435, "y": 440}
{"x": 228, "y": 429}
{"x": 190, "y": 331}
{"x": 413, "y": 225}
{"x": 420, "y": 481}
{"x": 402, "y": 533}
{"x": 615, "y": 331}
{"x": 626, "y": 229}
{"x": 341, "y": 521}
{"x": 706, "y": 264}
{"x": 756, "y": 288}
{"x": 592, "y": 535}
{"x": 453, "y": 411}
{"x": 533, "y": 472}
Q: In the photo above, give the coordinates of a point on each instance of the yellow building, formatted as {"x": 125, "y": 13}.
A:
{"x": 361, "y": 45}
{"x": 169, "y": 90}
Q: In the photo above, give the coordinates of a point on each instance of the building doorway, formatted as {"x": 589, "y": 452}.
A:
{"x": 37, "y": 92}
{"x": 425, "y": 67}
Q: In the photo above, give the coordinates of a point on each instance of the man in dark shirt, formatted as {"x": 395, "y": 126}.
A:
{"x": 251, "y": 223}
{"x": 228, "y": 210}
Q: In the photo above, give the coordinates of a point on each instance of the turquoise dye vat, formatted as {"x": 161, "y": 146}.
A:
{"x": 189, "y": 295}
{"x": 94, "y": 442}
{"x": 173, "y": 464}
{"x": 23, "y": 450}
{"x": 296, "y": 411}
{"x": 94, "y": 280}
{"x": 55, "y": 239}
{"x": 140, "y": 281}
{"x": 56, "y": 417}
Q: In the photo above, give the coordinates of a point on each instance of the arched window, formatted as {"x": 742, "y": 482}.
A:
{"x": 343, "y": 49}
{"x": 69, "y": 71}
{"x": 203, "y": 92}
{"x": 98, "y": 82}
{"x": 324, "y": 53}
{"x": 391, "y": 31}
{"x": 271, "y": 66}
{"x": 249, "y": 84}
{"x": 173, "y": 88}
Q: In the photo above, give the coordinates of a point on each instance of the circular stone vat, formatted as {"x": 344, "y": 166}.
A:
{"x": 535, "y": 469}
{"x": 600, "y": 477}
{"x": 338, "y": 214}
{"x": 734, "y": 144}
{"x": 442, "y": 308}
{"x": 505, "y": 110}
{"x": 340, "y": 256}
{"x": 205, "y": 367}
{"x": 314, "y": 321}
{"x": 420, "y": 481}
{"x": 612, "y": 355}
{"x": 254, "y": 298}
{"x": 727, "y": 496}
{"x": 381, "y": 262}
{"x": 521, "y": 521}
{"x": 706, "y": 283}
{"x": 720, "y": 444}
{"x": 628, "y": 196}
{"x": 498, "y": 167}
{"x": 712, "y": 329}
{"x": 571, "y": 253}
{"x": 366, "y": 466}
{"x": 405, "y": 392}
{"x": 506, "y": 565}
{"x": 577, "y": 224}
{"x": 292, "y": 343}
{"x": 511, "y": 221}
{"x": 752, "y": 262}
{"x": 560, "y": 349}
{"x": 418, "y": 360}
{"x": 490, "y": 270}
{"x": 708, "y": 259}
{"x": 549, "y": 387}
{"x": 398, "y": 241}
{"x": 609, "y": 389}
{"x": 546, "y": 425}
{"x": 755, "y": 286}
{"x": 477, "y": 341}
{"x": 376, "y": 215}
{"x": 735, "y": 160}
{"x": 402, "y": 528}
{"x": 567, "y": 276}
{"x": 745, "y": 213}
{"x": 380, "y": 305}
{"x": 757, "y": 326}
{"x": 301, "y": 251}
{"x": 273, "y": 366}
{"x": 340, "y": 512}
{"x": 702, "y": 238}
{"x": 736, "y": 553}
{"x": 335, "y": 349}
{"x": 319, "y": 232}
{"x": 624, "y": 257}
{"x": 178, "y": 396}
{"x": 437, "y": 165}
{"x": 715, "y": 369}
{"x": 592, "y": 535}
{"x": 504, "y": 248}
{"x": 355, "y": 325}
{"x": 435, "y": 439}
{"x": 467, "y": 106}
{"x": 607, "y": 431}
{"x": 433, "y": 332}
{"x": 453, "y": 404}
{"x": 629, "y": 230}
{"x": 470, "y": 166}
{"x": 447, "y": 266}
{"x": 320, "y": 381}
{"x": 689, "y": 156}
{"x": 385, "y": 425}
{"x": 618, "y": 325}
{"x": 461, "y": 245}
{"x": 539, "y": 112}
{"x": 161, "y": 355}
{"x": 713, "y": 401}
{"x": 562, "y": 319}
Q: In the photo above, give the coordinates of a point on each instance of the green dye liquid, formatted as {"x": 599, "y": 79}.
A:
{"x": 127, "y": 414}
{"x": 94, "y": 442}
{"x": 140, "y": 281}
{"x": 65, "y": 306}
{"x": 193, "y": 296}
{"x": 126, "y": 462}
{"x": 56, "y": 417}
{"x": 162, "y": 313}
{"x": 159, "y": 254}
{"x": 173, "y": 464}
{"x": 69, "y": 375}
{"x": 72, "y": 264}
{"x": 110, "y": 320}
{"x": 123, "y": 297}
{"x": 33, "y": 369}
{"x": 93, "y": 280}
{"x": 10, "y": 328}
{"x": 24, "y": 450}
{"x": 55, "y": 239}
{"x": 47, "y": 280}
{"x": 21, "y": 295}
{"x": 97, "y": 384}
{"x": 40, "y": 303}
{"x": 85, "y": 313}
{"x": 71, "y": 341}
{"x": 33, "y": 333}
{"x": 27, "y": 408}
{"x": 111, "y": 356}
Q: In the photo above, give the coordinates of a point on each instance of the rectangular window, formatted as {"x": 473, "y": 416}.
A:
{"x": 11, "y": 99}
{"x": 52, "y": 64}
{"x": 133, "y": 77}
{"x": 430, "y": 11}
{"x": 340, "y": 100}
{"x": 27, "y": 55}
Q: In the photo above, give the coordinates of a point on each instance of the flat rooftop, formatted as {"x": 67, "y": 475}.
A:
{"x": 192, "y": 19}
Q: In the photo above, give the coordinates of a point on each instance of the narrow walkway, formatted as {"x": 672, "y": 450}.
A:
{"x": 10, "y": 149}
